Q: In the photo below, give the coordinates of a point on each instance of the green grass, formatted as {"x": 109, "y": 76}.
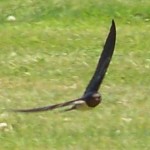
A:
{"x": 48, "y": 56}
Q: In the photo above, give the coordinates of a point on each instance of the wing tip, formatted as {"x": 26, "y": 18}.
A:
{"x": 18, "y": 110}
{"x": 113, "y": 26}
{"x": 113, "y": 21}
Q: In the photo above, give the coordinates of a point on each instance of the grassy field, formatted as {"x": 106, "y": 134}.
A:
{"x": 48, "y": 54}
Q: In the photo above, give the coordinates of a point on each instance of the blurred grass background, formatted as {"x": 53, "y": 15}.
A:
{"x": 48, "y": 54}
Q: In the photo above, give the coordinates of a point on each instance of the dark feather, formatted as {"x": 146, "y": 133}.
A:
{"x": 46, "y": 108}
{"x": 104, "y": 61}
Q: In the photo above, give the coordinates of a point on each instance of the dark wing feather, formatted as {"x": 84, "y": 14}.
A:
{"x": 104, "y": 61}
{"x": 45, "y": 108}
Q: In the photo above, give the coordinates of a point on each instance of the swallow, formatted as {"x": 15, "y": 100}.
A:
{"x": 91, "y": 97}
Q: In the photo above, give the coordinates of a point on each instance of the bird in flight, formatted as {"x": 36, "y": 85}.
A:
{"x": 91, "y": 97}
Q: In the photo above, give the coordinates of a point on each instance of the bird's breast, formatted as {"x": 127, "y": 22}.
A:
{"x": 81, "y": 105}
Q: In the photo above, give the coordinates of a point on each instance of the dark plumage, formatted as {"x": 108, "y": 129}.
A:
{"x": 91, "y": 98}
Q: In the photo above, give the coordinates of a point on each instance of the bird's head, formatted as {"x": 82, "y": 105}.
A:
{"x": 92, "y": 99}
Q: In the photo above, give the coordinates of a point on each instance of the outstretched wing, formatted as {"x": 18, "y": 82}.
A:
{"x": 96, "y": 80}
{"x": 104, "y": 61}
{"x": 46, "y": 108}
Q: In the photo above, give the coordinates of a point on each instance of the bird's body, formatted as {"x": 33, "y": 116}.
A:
{"x": 80, "y": 105}
{"x": 87, "y": 103}
{"x": 91, "y": 97}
